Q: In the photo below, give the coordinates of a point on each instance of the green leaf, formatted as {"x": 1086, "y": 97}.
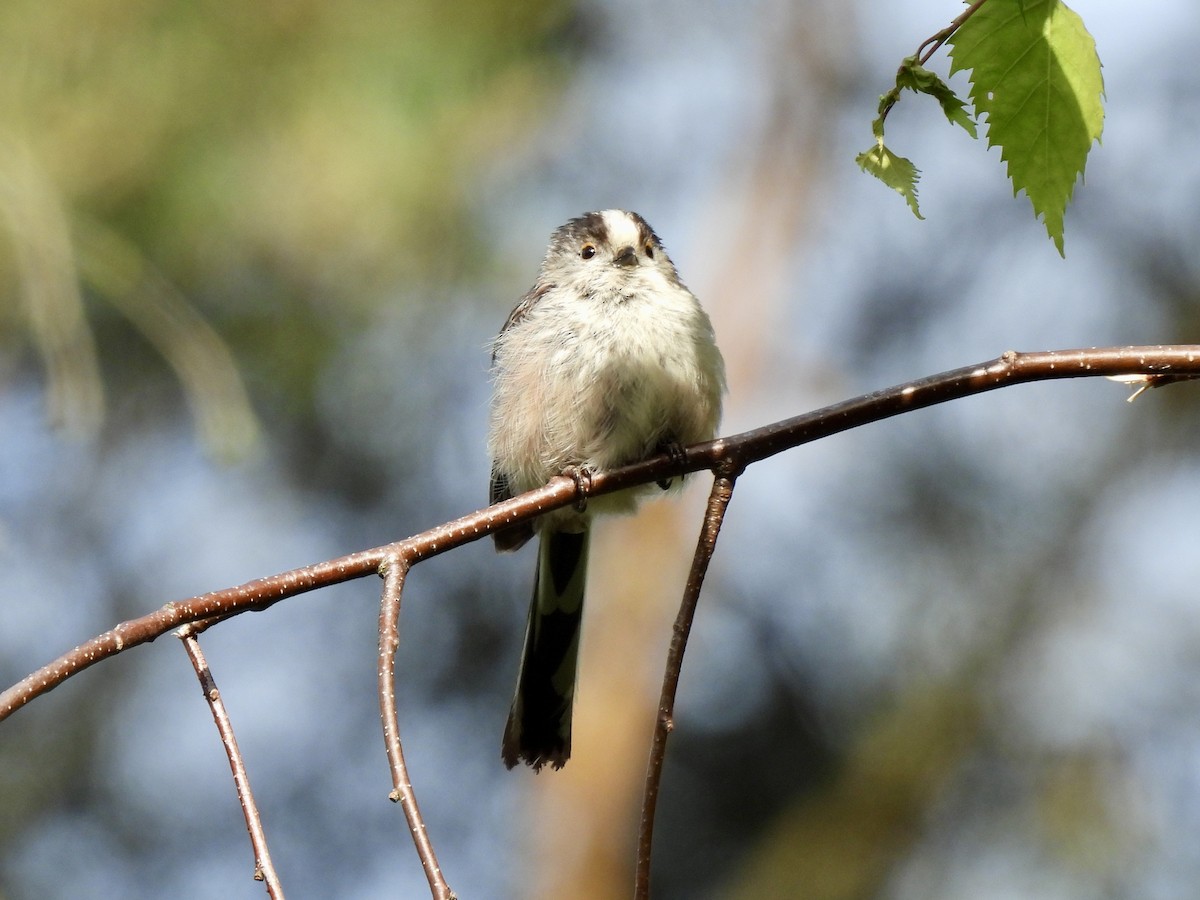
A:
{"x": 895, "y": 171}
{"x": 886, "y": 102}
{"x": 916, "y": 77}
{"x": 1036, "y": 75}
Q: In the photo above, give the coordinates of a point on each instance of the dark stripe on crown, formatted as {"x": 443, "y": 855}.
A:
{"x": 645, "y": 232}
{"x": 590, "y": 226}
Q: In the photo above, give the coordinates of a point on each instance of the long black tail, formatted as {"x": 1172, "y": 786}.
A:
{"x": 539, "y": 723}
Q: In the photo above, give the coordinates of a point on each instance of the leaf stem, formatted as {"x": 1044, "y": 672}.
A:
{"x": 928, "y": 47}
{"x": 934, "y": 42}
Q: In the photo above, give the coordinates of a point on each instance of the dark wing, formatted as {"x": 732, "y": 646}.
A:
{"x": 508, "y": 538}
{"x": 500, "y": 488}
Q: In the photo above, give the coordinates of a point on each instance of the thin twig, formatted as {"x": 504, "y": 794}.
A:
{"x": 393, "y": 571}
{"x": 727, "y": 456}
{"x": 718, "y": 502}
{"x": 933, "y": 42}
{"x": 1009, "y": 369}
{"x": 253, "y": 595}
{"x": 264, "y": 870}
{"x": 928, "y": 47}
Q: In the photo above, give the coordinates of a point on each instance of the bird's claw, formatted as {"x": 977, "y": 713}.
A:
{"x": 678, "y": 456}
{"x": 582, "y": 476}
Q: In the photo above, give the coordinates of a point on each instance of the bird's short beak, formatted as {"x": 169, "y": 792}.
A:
{"x": 626, "y": 256}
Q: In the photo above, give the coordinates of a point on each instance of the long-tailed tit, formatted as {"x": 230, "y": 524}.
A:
{"x": 607, "y": 360}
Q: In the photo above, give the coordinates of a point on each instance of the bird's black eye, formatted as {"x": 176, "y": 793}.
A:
{"x": 587, "y": 251}
{"x": 649, "y": 251}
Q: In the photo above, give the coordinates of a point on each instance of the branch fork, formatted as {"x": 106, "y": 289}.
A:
{"x": 727, "y": 458}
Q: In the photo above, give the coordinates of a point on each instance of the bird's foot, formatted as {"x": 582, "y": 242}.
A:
{"x": 582, "y": 476}
{"x": 678, "y": 456}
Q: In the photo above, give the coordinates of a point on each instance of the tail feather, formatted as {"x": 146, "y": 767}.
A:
{"x": 539, "y": 723}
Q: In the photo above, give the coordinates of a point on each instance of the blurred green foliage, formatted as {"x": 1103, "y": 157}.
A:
{"x": 274, "y": 169}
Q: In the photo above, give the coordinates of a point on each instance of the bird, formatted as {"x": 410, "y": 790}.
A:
{"x": 607, "y": 360}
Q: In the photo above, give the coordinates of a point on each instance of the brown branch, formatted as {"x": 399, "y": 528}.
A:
{"x": 264, "y": 870}
{"x": 726, "y": 456}
{"x": 254, "y": 595}
{"x": 718, "y": 502}
{"x": 1011, "y": 368}
{"x": 393, "y": 571}
{"x": 742, "y": 449}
